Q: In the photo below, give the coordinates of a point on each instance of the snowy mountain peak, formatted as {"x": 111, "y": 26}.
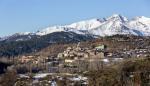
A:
{"x": 118, "y": 17}
{"x": 141, "y": 24}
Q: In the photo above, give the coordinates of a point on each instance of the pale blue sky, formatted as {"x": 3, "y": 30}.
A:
{"x": 33, "y": 15}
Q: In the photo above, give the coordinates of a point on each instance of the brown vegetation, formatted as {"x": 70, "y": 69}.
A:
{"x": 130, "y": 73}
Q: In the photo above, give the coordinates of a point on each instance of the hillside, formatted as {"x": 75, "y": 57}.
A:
{"x": 115, "y": 44}
{"x": 13, "y": 47}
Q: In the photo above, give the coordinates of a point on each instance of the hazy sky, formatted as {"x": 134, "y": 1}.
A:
{"x": 33, "y": 15}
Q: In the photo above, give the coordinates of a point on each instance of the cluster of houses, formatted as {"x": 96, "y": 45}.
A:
{"x": 73, "y": 55}
{"x": 70, "y": 58}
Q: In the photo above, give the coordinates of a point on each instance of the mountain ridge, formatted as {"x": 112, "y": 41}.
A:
{"x": 113, "y": 25}
{"x": 116, "y": 23}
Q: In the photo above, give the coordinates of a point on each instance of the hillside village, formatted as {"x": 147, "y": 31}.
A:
{"x": 75, "y": 61}
{"x": 69, "y": 58}
{"x": 73, "y": 55}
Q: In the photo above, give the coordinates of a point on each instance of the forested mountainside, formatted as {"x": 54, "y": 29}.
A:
{"x": 13, "y": 46}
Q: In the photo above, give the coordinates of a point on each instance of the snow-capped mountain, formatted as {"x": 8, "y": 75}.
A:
{"x": 115, "y": 24}
{"x": 79, "y": 27}
{"x": 141, "y": 24}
